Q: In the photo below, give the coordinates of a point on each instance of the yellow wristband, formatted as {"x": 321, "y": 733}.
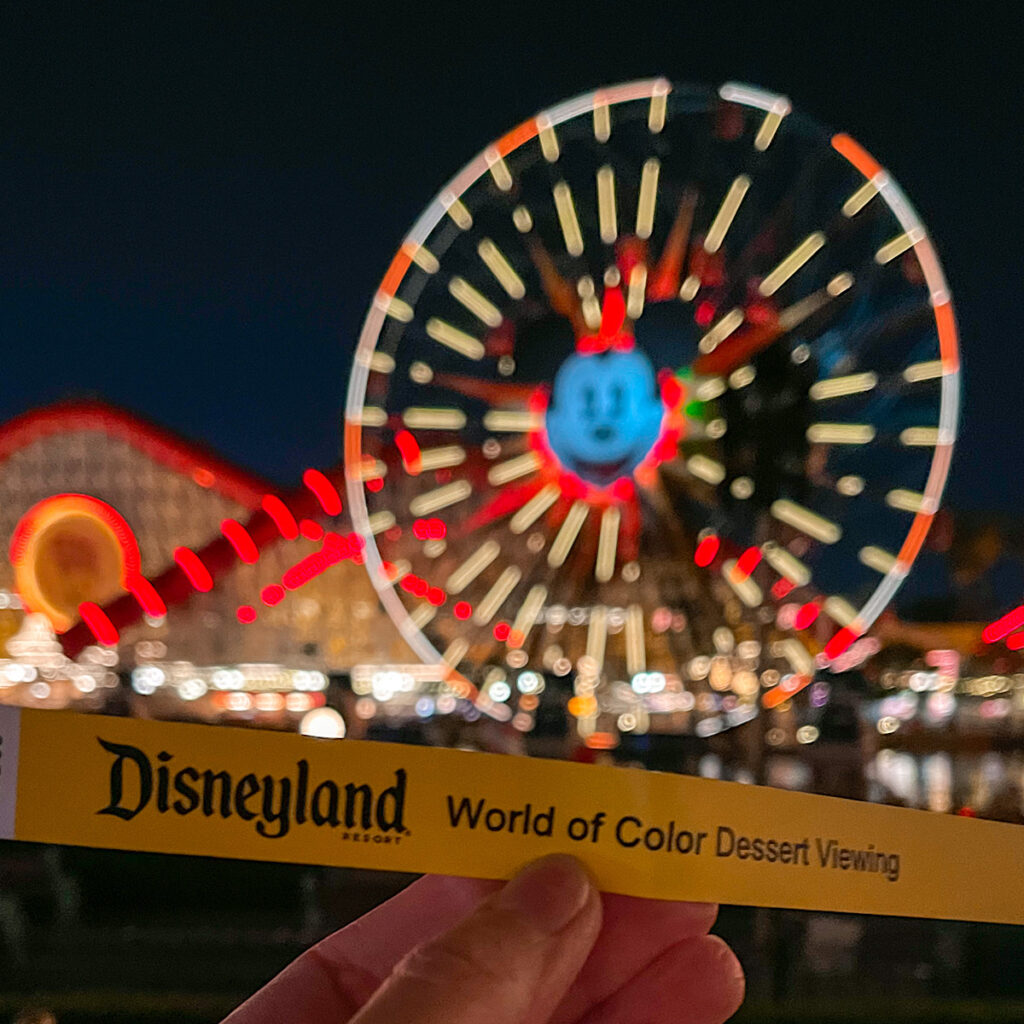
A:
{"x": 128, "y": 784}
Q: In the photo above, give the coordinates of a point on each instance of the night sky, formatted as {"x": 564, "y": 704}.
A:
{"x": 198, "y": 200}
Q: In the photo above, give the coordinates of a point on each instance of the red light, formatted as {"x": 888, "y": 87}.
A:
{"x": 613, "y": 312}
{"x": 1004, "y": 626}
{"x": 671, "y": 388}
{"x": 1015, "y": 642}
{"x": 840, "y": 642}
{"x": 436, "y": 596}
{"x": 324, "y": 491}
{"x": 706, "y": 551}
{"x": 705, "y": 313}
{"x": 272, "y": 594}
{"x": 203, "y": 477}
{"x": 149, "y": 600}
{"x": 192, "y": 566}
{"x": 409, "y": 449}
{"x": 375, "y": 485}
{"x": 96, "y": 619}
{"x": 415, "y": 585}
{"x": 501, "y": 631}
{"x": 246, "y": 613}
{"x": 238, "y": 537}
{"x": 780, "y": 588}
{"x": 429, "y": 529}
{"x": 806, "y": 615}
{"x": 311, "y": 530}
{"x": 623, "y": 489}
{"x": 462, "y": 610}
{"x": 283, "y": 519}
{"x": 748, "y": 562}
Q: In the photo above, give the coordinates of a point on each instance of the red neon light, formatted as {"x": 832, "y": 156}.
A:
{"x": 780, "y": 588}
{"x": 840, "y": 642}
{"x": 623, "y": 489}
{"x": 324, "y": 491}
{"x": 747, "y": 562}
{"x": 246, "y": 613}
{"x": 462, "y": 610}
{"x": 409, "y": 449}
{"x": 96, "y": 619}
{"x": 706, "y": 551}
{"x": 501, "y": 631}
{"x": 671, "y": 389}
{"x": 429, "y": 529}
{"x": 1005, "y": 626}
{"x": 192, "y": 566}
{"x": 610, "y": 335}
{"x": 145, "y": 593}
{"x": 280, "y": 513}
{"x": 238, "y": 537}
{"x": 806, "y": 615}
{"x": 415, "y": 585}
{"x": 705, "y": 313}
{"x": 613, "y": 313}
{"x": 311, "y": 530}
{"x": 1015, "y": 642}
{"x": 335, "y": 548}
{"x": 272, "y": 594}
{"x": 436, "y": 596}
{"x": 629, "y": 252}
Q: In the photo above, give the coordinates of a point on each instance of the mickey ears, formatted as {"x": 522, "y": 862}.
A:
{"x": 610, "y": 335}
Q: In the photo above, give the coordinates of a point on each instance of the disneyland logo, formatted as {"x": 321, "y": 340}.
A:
{"x": 139, "y": 783}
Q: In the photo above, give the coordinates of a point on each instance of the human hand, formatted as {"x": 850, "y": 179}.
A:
{"x": 546, "y": 948}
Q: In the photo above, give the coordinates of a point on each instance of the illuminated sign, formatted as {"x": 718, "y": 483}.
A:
{"x": 68, "y": 549}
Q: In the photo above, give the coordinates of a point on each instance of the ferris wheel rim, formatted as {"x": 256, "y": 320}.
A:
{"x": 772, "y": 104}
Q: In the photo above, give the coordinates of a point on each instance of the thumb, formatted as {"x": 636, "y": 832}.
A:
{"x": 509, "y": 962}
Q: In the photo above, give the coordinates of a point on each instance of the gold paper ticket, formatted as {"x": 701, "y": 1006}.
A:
{"x": 163, "y": 787}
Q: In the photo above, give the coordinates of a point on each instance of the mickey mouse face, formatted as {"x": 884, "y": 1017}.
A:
{"x": 605, "y": 414}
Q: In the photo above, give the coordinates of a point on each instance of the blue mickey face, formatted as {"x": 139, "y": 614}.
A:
{"x": 605, "y": 414}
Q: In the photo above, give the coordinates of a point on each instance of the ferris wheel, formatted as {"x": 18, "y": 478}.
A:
{"x": 665, "y": 378}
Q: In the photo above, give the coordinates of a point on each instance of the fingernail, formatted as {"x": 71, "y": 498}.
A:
{"x": 548, "y": 893}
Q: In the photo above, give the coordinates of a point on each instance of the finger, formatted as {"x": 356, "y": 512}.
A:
{"x": 328, "y": 983}
{"x": 635, "y": 932}
{"x": 699, "y": 981}
{"x": 422, "y": 911}
{"x": 509, "y": 962}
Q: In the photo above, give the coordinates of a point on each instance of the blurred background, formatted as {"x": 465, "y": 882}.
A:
{"x": 197, "y": 206}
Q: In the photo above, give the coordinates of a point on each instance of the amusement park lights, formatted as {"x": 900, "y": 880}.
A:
{"x": 585, "y": 441}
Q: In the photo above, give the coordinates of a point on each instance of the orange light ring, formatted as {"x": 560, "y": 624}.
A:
{"x": 51, "y": 510}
